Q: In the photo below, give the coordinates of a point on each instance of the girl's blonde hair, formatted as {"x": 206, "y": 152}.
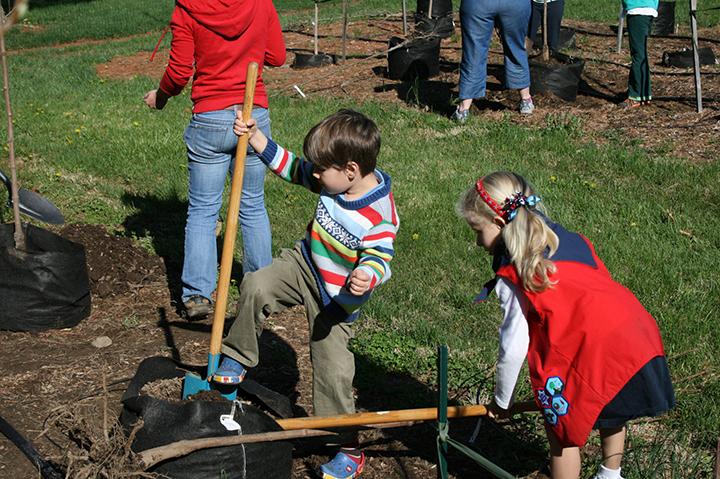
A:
{"x": 526, "y": 235}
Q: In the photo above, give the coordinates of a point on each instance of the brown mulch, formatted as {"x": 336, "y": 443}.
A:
{"x": 60, "y": 385}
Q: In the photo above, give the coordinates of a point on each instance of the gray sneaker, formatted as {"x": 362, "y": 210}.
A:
{"x": 460, "y": 116}
{"x": 527, "y": 106}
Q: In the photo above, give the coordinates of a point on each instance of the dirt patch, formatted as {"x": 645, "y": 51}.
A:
{"x": 61, "y": 388}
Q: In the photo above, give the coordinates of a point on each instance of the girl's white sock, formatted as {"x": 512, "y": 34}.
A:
{"x": 605, "y": 473}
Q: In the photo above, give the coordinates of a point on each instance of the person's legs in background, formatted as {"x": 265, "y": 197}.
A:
{"x": 208, "y": 167}
{"x": 556, "y": 9}
{"x": 211, "y": 147}
{"x": 254, "y": 222}
{"x": 477, "y": 22}
{"x": 638, "y": 28}
{"x": 513, "y": 20}
{"x": 536, "y": 16}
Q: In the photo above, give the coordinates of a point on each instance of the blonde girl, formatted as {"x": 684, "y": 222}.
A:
{"x": 595, "y": 355}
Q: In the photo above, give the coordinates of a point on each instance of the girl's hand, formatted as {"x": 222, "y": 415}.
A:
{"x": 358, "y": 282}
{"x": 240, "y": 127}
{"x": 496, "y": 412}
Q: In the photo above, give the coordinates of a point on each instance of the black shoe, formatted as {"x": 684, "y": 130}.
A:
{"x": 197, "y": 307}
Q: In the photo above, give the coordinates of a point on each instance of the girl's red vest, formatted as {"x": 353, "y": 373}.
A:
{"x": 590, "y": 335}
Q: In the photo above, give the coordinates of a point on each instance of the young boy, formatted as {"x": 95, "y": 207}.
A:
{"x": 332, "y": 272}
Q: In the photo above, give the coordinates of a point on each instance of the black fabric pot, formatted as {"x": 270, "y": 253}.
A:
{"x": 442, "y": 27}
{"x": 440, "y": 8}
{"x": 566, "y": 40}
{"x": 416, "y": 59}
{"x": 561, "y": 80}
{"x": 303, "y": 60}
{"x": 45, "y": 286}
{"x": 165, "y": 422}
{"x": 664, "y": 23}
{"x": 684, "y": 59}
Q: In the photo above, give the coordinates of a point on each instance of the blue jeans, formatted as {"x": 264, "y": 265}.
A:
{"x": 211, "y": 146}
{"x": 477, "y": 21}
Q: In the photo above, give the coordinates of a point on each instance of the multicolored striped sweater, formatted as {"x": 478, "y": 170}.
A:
{"x": 343, "y": 235}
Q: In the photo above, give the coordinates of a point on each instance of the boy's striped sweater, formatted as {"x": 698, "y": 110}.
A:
{"x": 343, "y": 235}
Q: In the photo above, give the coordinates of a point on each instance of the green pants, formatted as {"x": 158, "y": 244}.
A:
{"x": 638, "y": 28}
{"x": 288, "y": 281}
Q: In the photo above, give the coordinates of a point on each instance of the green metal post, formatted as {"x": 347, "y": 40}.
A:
{"x": 442, "y": 411}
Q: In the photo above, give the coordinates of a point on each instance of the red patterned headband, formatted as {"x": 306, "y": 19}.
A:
{"x": 488, "y": 200}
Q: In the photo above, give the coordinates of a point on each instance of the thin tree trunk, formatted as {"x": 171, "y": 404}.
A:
{"x": 19, "y": 236}
{"x": 546, "y": 49}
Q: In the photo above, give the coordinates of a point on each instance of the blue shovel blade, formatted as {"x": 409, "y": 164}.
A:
{"x": 193, "y": 383}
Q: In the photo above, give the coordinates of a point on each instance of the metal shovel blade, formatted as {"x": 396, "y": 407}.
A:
{"x": 34, "y": 205}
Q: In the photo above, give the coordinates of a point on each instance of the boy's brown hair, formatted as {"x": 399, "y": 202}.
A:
{"x": 343, "y": 137}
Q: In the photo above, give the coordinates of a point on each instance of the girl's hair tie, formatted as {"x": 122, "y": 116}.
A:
{"x": 513, "y": 202}
{"x": 488, "y": 200}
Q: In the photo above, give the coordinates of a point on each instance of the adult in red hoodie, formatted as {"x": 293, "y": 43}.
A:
{"x": 213, "y": 42}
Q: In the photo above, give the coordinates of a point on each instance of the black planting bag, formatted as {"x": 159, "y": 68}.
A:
{"x": 166, "y": 422}
{"x": 46, "y": 285}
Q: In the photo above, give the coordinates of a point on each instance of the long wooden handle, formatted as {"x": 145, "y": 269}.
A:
{"x": 226, "y": 260}
{"x": 365, "y": 418}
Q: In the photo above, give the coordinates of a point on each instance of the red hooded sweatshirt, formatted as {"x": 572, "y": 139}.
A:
{"x": 218, "y": 39}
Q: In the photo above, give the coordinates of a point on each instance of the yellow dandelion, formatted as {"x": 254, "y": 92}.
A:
{"x": 415, "y": 236}
{"x": 135, "y": 123}
{"x": 633, "y": 224}
{"x": 58, "y": 174}
{"x": 553, "y": 178}
{"x": 77, "y": 131}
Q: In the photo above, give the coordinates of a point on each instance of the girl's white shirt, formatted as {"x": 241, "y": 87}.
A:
{"x": 514, "y": 339}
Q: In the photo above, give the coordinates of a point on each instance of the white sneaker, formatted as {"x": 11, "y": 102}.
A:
{"x": 527, "y": 106}
{"x": 460, "y": 116}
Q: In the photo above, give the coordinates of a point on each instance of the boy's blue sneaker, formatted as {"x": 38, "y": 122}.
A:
{"x": 342, "y": 467}
{"x": 229, "y": 372}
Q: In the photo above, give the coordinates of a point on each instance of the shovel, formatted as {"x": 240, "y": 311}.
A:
{"x": 383, "y": 417}
{"x": 34, "y": 205}
{"x": 193, "y": 383}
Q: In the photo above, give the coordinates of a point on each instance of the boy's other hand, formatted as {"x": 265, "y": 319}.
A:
{"x": 358, "y": 282}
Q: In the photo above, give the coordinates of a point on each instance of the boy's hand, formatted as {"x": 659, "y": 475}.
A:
{"x": 256, "y": 139}
{"x": 240, "y": 127}
{"x": 496, "y": 412}
{"x": 358, "y": 282}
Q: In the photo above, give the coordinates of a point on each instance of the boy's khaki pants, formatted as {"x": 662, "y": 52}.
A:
{"x": 287, "y": 282}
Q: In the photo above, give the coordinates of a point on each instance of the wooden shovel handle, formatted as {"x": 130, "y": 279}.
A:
{"x": 228, "y": 250}
{"x": 365, "y": 418}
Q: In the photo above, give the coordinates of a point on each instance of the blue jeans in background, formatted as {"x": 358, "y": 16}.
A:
{"x": 211, "y": 146}
{"x": 477, "y": 22}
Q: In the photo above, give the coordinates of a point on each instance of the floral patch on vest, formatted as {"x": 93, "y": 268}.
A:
{"x": 554, "y": 405}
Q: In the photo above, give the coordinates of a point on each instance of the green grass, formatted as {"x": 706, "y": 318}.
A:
{"x": 93, "y": 148}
